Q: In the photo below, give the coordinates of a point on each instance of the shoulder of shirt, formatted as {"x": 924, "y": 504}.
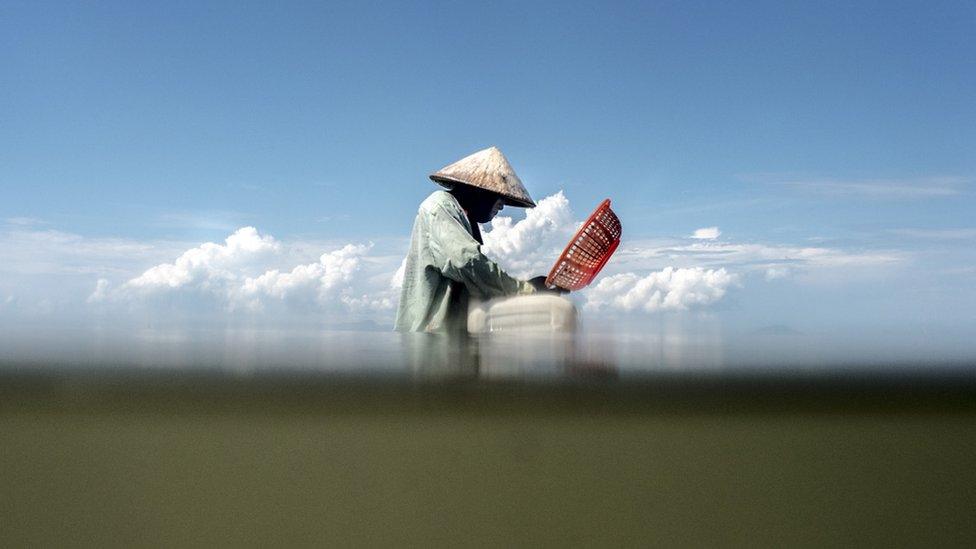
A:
{"x": 441, "y": 200}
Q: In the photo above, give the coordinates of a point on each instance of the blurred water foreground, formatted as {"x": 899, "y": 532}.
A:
{"x": 155, "y": 436}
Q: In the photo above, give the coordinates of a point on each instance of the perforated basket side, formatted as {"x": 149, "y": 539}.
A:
{"x": 588, "y": 251}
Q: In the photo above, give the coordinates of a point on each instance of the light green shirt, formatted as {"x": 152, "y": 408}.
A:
{"x": 445, "y": 269}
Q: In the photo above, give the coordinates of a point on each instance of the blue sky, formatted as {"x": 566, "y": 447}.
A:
{"x": 844, "y": 128}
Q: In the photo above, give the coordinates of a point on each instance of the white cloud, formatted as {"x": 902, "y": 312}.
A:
{"x": 669, "y": 289}
{"x": 706, "y": 233}
{"x": 317, "y": 282}
{"x": 208, "y": 266}
{"x": 396, "y": 281}
{"x": 251, "y": 271}
{"x": 530, "y": 246}
{"x": 237, "y": 275}
{"x": 657, "y": 254}
{"x": 924, "y": 187}
{"x": 382, "y": 301}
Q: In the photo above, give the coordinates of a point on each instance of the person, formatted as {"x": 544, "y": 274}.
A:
{"x": 445, "y": 268}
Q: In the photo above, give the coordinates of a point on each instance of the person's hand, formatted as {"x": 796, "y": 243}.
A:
{"x": 539, "y": 283}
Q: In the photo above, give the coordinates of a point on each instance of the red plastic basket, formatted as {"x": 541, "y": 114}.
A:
{"x": 588, "y": 251}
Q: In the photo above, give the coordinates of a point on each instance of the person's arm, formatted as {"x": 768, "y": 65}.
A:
{"x": 457, "y": 255}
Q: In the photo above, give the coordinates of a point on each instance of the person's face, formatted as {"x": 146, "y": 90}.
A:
{"x": 497, "y": 207}
{"x": 486, "y": 208}
{"x": 482, "y": 206}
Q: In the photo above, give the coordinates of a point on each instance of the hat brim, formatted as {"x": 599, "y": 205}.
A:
{"x": 508, "y": 200}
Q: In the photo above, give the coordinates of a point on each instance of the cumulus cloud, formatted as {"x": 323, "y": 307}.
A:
{"x": 251, "y": 271}
{"x": 706, "y": 233}
{"x": 315, "y": 282}
{"x": 237, "y": 275}
{"x": 669, "y": 289}
{"x": 530, "y": 246}
{"x": 208, "y": 265}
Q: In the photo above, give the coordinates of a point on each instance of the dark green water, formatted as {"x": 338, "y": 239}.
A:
{"x": 172, "y": 458}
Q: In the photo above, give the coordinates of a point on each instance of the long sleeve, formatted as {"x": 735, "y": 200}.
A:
{"x": 458, "y": 256}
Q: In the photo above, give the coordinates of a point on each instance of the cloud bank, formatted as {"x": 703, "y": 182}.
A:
{"x": 234, "y": 275}
{"x": 530, "y": 246}
{"x": 669, "y": 289}
{"x": 210, "y": 265}
{"x": 254, "y": 272}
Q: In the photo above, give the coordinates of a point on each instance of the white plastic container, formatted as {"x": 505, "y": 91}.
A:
{"x": 526, "y": 336}
{"x": 537, "y": 313}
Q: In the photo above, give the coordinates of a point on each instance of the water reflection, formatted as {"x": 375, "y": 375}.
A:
{"x": 504, "y": 356}
{"x": 440, "y": 356}
{"x": 606, "y": 353}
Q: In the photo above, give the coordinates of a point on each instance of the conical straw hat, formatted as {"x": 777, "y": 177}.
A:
{"x": 487, "y": 169}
